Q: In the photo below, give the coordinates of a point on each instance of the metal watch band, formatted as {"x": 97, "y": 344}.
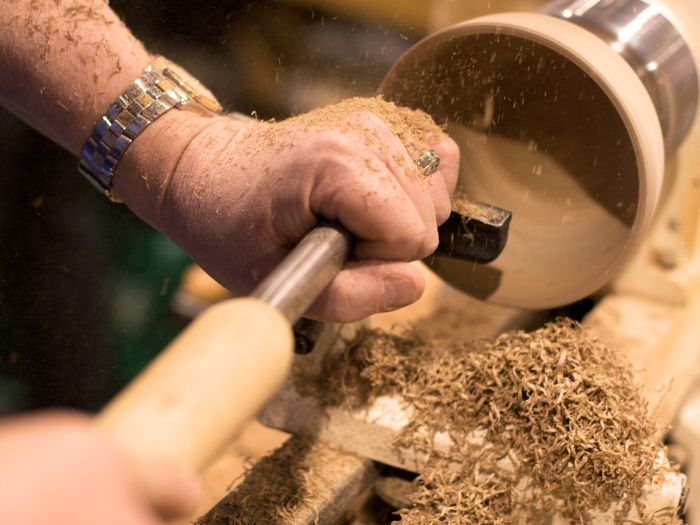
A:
{"x": 149, "y": 97}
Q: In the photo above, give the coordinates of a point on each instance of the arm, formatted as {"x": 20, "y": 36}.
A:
{"x": 62, "y": 63}
{"x": 235, "y": 196}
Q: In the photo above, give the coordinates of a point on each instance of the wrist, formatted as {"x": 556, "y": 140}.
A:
{"x": 161, "y": 87}
{"x": 143, "y": 175}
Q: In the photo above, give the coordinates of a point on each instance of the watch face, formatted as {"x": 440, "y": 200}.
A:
{"x": 189, "y": 88}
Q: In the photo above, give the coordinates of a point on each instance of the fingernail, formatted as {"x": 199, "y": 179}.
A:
{"x": 398, "y": 291}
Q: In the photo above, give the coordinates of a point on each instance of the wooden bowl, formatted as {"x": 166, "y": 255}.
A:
{"x": 552, "y": 125}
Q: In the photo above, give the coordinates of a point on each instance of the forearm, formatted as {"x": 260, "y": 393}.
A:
{"x": 62, "y": 63}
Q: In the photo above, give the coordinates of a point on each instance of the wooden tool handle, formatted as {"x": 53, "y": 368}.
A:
{"x": 195, "y": 396}
{"x": 220, "y": 372}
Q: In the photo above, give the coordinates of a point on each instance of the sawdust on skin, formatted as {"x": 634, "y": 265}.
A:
{"x": 556, "y": 399}
{"x": 60, "y": 33}
{"x": 414, "y": 128}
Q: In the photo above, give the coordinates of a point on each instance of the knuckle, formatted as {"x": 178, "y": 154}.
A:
{"x": 340, "y": 151}
{"x": 341, "y": 305}
{"x": 410, "y": 242}
{"x": 430, "y": 242}
{"x": 374, "y": 127}
{"x": 329, "y": 141}
{"x": 442, "y": 212}
{"x": 371, "y": 120}
{"x": 354, "y": 299}
{"x": 451, "y": 149}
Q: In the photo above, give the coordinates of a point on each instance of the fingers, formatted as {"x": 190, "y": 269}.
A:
{"x": 364, "y": 195}
{"x": 394, "y": 211}
{"x": 402, "y": 165}
{"x": 368, "y": 287}
{"x": 448, "y": 151}
{"x": 443, "y": 182}
{"x": 437, "y": 189}
{"x": 382, "y": 198}
{"x": 430, "y": 193}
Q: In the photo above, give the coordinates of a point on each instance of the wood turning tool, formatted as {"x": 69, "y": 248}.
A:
{"x": 189, "y": 426}
{"x": 298, "y": 280}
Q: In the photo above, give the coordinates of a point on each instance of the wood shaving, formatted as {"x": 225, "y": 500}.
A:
{"x": 415, "y": 129}
{"x": 272, "y": 491}
{"x": 556, "y": 399}
{"x": 292, "y": 485}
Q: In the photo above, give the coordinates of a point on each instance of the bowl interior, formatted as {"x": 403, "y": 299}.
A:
{"x": 539, "y": 137}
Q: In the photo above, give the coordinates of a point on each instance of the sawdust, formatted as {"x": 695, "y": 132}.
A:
{"x": 416, "y": 130}
{"x": 560, "y": 406}
{"x": 272, "y": 491}
{"x": 468, "y": 208}
{"x": 293, "y": 484}
{"x": 54, "y": 34}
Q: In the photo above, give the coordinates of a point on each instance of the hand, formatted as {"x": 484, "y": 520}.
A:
{"x": 58, "y": 468}
{"x": 242, "y": 195}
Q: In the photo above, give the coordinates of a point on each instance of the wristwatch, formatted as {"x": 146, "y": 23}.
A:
{"x": 161, "y": 87}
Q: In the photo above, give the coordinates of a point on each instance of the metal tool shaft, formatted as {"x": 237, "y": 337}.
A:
{"x": 298, "y": 280}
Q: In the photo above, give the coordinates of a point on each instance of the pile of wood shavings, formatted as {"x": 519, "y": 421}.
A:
{"x": 556, "y": 399}
{"x": 275, "y": 490}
